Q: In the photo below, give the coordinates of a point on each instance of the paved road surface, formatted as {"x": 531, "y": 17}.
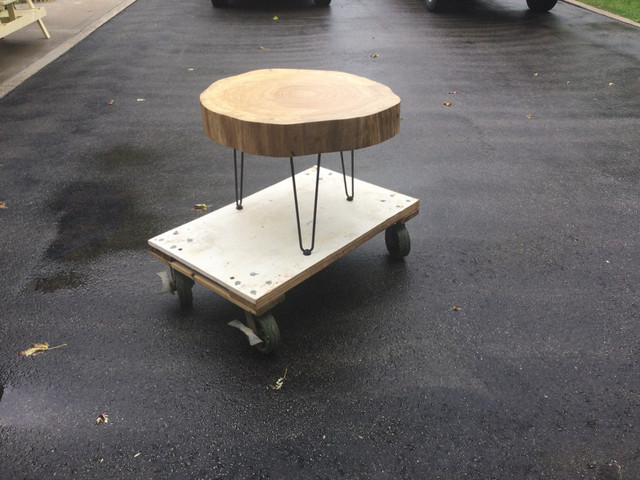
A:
{"x": 529, "y": 222}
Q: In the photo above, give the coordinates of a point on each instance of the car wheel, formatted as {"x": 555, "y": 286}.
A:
{"x": 433, "y": 5}
{"x": 541, "y": 5}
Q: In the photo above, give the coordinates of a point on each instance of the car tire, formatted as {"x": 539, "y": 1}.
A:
{"x": 433, "y": 5}
{"x": 541, "y": 5}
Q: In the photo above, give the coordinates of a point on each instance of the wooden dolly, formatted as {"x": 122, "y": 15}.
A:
{"x": 249, "y": 252}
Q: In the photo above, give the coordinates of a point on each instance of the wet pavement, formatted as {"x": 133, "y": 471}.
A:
{"x": 24, "y": 52}
{"x": 529, "y": 194}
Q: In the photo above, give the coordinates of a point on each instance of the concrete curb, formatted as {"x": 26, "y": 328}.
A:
{"x": 602, "y": 12}
{"x": 32, "y": 69}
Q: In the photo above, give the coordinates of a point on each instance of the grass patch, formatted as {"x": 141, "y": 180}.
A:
{"x": 625, "y": 8}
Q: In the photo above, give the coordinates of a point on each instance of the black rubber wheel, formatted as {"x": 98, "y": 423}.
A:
{"x": 398, "y": 241}
{"x": 541, "y": 5}
{"x": 268, "y": 331}
{"x": 322, "y": 3}
{"x": 220, "y": 3}
{"x": 183, "y": 284}
{"x": 434, "y": 5}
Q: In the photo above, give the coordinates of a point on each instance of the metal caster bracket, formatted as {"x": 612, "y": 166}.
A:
{"x": 251, "y": 336}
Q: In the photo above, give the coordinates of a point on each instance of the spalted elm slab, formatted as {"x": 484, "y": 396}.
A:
{"x": 291, "y": 112}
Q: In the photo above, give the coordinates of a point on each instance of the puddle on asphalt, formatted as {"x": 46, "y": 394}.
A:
{"x": 68, "y": 279}
{"x": 15, "y": 409}
{"x": 26, "y": 406}
{"x": 96, "y": 218}
{"x": 125, "y": 155}
{"x": 93, "y": 218}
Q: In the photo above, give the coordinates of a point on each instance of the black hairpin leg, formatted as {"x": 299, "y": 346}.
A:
{"x": 306, "y": 251}
{"x": 344, "y": 176}
{"x": 235, "y": 172}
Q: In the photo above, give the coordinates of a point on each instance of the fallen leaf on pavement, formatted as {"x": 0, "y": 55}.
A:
{"x": 280, "y": 381}
{"x": 37, "y": 348}
{"x": 3, "y": 205}
{"x": 102, "y": 418}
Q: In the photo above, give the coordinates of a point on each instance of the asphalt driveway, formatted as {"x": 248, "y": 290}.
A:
{"x": 520, "y": 135}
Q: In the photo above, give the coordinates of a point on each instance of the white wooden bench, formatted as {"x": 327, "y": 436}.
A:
{"x": 13, "y": 19}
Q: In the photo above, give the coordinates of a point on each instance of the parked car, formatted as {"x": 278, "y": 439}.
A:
{"x": 224, "y": 3}
{"x": 534, "y": 5}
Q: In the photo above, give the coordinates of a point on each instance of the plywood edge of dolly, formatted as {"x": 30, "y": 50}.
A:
{"x": 258, "y": 308}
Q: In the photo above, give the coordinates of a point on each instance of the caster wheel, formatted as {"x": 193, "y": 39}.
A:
{"x": 398, "y": 241}
{"x": 183, "y": 284}
{"x": 266, "y": 328}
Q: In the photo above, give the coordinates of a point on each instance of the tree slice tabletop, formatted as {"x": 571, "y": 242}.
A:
{"x": 291, "y": 112}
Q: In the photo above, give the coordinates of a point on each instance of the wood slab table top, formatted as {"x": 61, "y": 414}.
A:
{"x": 291, "y": 112}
